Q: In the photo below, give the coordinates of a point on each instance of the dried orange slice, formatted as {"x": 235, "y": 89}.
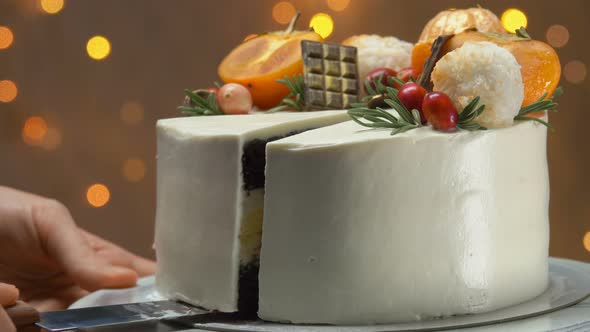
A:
{"x": 259, "y": 62}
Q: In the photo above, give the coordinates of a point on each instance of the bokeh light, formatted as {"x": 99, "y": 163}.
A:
{"x": 322, "y": 24}
{"x": 283, "y": 12}
{"x": 8, "y": 91}
{"x": 574, "y": 71}
{"x": 338, "y": 5}
{"x": 557, "y": 35}
{"x": 134, "y": 169}
{"x": 132, "y": 113}
{"x": 98, "y": 47}
{"x": 52, "y": 139}
{"x": 586, "y": 241}
{"x": 52, "y": 6}
{"x": 98, "y": 195}
{"x": 34, "y": 130}
{"x": 6, "y": 37}
{"x": 513, "y": 19}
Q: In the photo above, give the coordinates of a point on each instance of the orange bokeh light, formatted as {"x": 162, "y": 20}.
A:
{"x": 8, "y": 91}
{"x": 134, "y": 170}
{"x": 52, "y": 139}
{"x": 98, "y": 195}
{"x": 132, "y": 113}
{"x": 586, "y": 241}
{"x": 52, "y": 6}
{"x": 6, "y": 38}
{"x": 338, "y": 5}
{"x": 283, "y": 12}
{"x": 34, "y": 130}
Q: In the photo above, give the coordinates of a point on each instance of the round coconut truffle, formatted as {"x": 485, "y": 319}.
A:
{"x": 375, "y": 51}
{"x": 486, "y": 70}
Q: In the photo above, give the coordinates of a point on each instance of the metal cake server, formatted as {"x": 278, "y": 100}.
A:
{"x": 65, "y": 320}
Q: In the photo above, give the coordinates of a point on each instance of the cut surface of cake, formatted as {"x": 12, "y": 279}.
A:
{"x": 210, "y": 181}
{"x": 373, "y": 228}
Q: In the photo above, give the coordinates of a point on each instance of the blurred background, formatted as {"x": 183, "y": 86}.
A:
{"x": 82, "y": 84}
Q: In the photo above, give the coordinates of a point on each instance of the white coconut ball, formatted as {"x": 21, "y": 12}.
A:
{"x": 486, "y": 70}
{"x": 375, "y": 51}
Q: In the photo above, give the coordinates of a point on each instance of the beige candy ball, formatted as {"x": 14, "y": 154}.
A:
{"x": 486, "y": 70}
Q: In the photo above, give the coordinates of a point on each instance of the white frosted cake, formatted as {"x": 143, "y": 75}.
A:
{"x": 373, "y": 228}
{"x": 432, "y": 201}
{"x": 210, "y": 182}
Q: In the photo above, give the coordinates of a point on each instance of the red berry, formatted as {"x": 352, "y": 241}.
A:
{"x": 440, "y": 111}
{"x": 412, "y": 95}
{"x": 213, "y": 90}
{"x": 406, "y": 73}
{"x": 234, "y": 98}
{"x": 381, "y": 74}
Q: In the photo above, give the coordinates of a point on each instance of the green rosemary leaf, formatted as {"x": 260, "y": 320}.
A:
{"x": 417, "y": 117}
{"x": 295, "y": 99}
{"x": 369, "y": 89}
{"x": 394, "y": 81}
{"x": 469, "y": 114}
{"x": 539, "y": 105}
{"x": 277, "y": 109}
{"x": 522, "y": 33}
{"x": 526, "y": 118}
{"x": 403, "y": 129}
{"x": 195, "y": 98}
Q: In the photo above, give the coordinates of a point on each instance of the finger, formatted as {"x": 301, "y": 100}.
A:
{"x": 58, "y": 299}
{"x": 143, "y": 267}
{"x": 8, "y": 294}
{"x": 119, "y": 256}
{"x": 66, "y": 244}
{"x": 6, "y": 322}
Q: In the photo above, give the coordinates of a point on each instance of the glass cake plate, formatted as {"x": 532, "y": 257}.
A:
{"x": 569, "y": 287}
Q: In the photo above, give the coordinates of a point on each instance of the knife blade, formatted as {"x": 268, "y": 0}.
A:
{"x": 65, "y": 320}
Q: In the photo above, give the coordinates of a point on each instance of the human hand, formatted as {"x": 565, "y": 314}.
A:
{"x": 51, "y": 260}
{"x": 8, "y": 297}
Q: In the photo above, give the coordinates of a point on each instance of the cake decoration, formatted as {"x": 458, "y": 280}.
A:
{"x": 262, "y": 60}
{"x": 539, "y": 64}
{"x": 437, "y": 109}
{"x": 450, "y": 22}
{"x": 330, "y": 75}
{"x": 376, "y": 51}
{"x": 485, "y": 70}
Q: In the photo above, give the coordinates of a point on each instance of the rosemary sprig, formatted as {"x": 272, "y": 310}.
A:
{"x": 380, "y": 88}
{"x": 469, "y": 114}
{"x": 541, "y": 104}
{"x": 380, "y": 118}
{"x": 199, "y": 105}
{"x": 294, "y": 100}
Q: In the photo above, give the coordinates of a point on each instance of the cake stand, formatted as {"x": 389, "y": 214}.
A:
{"x": 564, "y": 306}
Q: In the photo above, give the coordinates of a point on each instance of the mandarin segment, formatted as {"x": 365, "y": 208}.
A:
{"x": 420, "y": 54}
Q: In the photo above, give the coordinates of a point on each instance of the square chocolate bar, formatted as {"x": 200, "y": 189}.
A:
{"x": 330, "y": 74}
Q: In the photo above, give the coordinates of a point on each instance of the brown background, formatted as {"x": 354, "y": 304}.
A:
{"x": 161, "y": 47}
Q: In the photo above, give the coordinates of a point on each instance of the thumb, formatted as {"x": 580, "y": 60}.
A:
{"x": 8, "y": 294}
{"x": 68, "y": 247}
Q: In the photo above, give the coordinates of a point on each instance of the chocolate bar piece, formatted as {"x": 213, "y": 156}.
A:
{"x": 330, "y": 75}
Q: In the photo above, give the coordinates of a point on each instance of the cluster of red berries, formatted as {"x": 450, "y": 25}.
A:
{"x": 435, "y": 107}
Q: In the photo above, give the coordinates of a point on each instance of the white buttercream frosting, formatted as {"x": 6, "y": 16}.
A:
{"x": 363, "y": 227}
